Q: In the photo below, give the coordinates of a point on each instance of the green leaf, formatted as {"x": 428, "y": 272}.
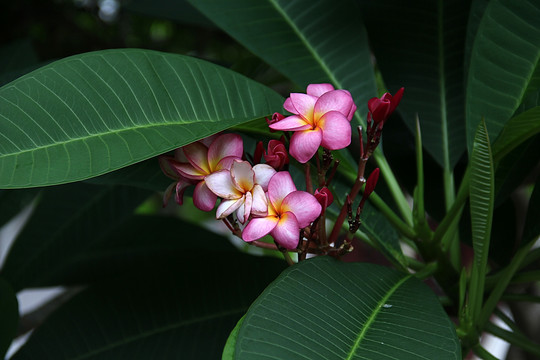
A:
{"x": 326, "y": 309}
{"x": 516, "y": 131}
{"x": 66, "y": 223}
{"x": 9, "y": 313}
{"x": 90, "y": 114}
{"x": 301, "y": 39}
{"x": 176, "y": 309}
{"x": 179, "y": 10}
{"x": 481, "y": 194}
{"x": 532, "y": 225}
{"x": 504, "y": 65}
{"x": 230, "y": 345}
{"x": 420, "y": 46}
{"x": 13, "y": 202}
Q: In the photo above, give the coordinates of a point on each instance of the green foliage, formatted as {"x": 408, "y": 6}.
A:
{"x": 93, "y": 113}
{"x": 157, "y": 283}
{"x": 333, "y": 310}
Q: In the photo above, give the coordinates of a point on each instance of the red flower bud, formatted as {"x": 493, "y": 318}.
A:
{"x": 381, "y": 108}
{"x": 275, "y": 118}
{"x": 257, "y": 156}
{"x": 324, "y": 197}
{"x": 277, "y": 155}
{"x": 370, "y": 186}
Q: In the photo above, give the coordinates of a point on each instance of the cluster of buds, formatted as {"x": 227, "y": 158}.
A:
{"x": 259, "y": 199}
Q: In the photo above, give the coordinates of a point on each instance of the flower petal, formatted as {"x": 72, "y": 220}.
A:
{"x": 225, "y": 163}
{"x": 223, "y": 146}
{"x": 203, "y": 198}
{"x": 259, "y": 227}
{"x": 242, "y": 176}
{"x": 280, "y": 185}
{"x": 303, "y": 205}
{"x": 303, "y": 104}
{"x": 263, "y": 174}
{"x": 227, "y": 207}
{"x": 181, "y": 186}
{"x": 221, "y": 184}
{"x": 166, "y": 164}
{"x": 336, "y": 131}
{"x": 197, "y": 153}
{"x": 304, "y": 144}
{"x": 287, "y": 232}
{"x": 337, "y": 100}
{"x": 188, "y": 171}
{"x": 318, "y": 89}
{"x": 291, "y": 123}
{"x": 260, "y": 202}
{"x": 245, "y": 210}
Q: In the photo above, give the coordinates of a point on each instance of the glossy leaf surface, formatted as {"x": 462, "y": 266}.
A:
{"x": 325, "y": 309}
{"x": 301, "y": 40}
{"x": 90, "y": 114}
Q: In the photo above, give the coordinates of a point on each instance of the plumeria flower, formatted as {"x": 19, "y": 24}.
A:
{"x": 242, "y": 189}
{"x": 321, "y": 117}
{"x": 193, "y": 162}
{"x": 289, "y": 210}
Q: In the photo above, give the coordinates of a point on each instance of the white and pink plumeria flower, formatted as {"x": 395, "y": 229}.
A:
{"x": 289, "y": 210}
{"x": 193, "y": 162}
{"x": 242, "y": 189}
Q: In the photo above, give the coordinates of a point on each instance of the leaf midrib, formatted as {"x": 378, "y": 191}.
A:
{"x": 373, "y": 316}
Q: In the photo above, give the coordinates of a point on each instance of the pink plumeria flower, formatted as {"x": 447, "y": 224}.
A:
{"x": 321, "y": 117}
{"x": 289, "y": 210}
{"x": 193, "y": 162}
{"x": 242, "y": 189}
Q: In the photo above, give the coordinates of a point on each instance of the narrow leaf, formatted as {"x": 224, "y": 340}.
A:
{"x": 326, "y": 309}
{"x": 481, "y": 193}
{"x": 90, "y": 114}
{"x": 504, "y": 65}
{"x": 301, "y": 40}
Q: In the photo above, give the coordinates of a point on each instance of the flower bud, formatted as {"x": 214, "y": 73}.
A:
{"x": 324, "y": 197}
{"x": 277, "y": 156}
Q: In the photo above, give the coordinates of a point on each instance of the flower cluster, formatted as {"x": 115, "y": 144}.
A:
{"x": 262, "y": 197}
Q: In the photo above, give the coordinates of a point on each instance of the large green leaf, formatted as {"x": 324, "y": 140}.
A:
{"x": 481, "y": 192}
{"x": 9, "y": 313}
{"x": 420, "y": 45}
{"x": 326, "y": 309}
{"x": 67, "y": 221}
{"x": 504, "y": 64}
{"x": 308, "y": 41}
{"x": 531, "y": 230}
{"x": 93, "y": 113}
{"x": 173, "y": 310}
{"x": 14, "y": 201}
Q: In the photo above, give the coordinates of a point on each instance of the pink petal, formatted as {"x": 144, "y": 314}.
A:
{"x": 245, "y": 210}
{"x": 180, "y": 156}
{"x": 203, "y": 198}
{"x": 396, "y": 99}
{"x": 287, "y": 232}
{"x": 337, "y": 100}
{"x": 221, "y": 184}
{"x": 188, "y": 171}
{"x": 180, "y": 188}
{"x": 242, "y": 176}
{"x": 304, "y": 144}
{"x": 259, "y": 227}
{"x": 303, "y": 205}
{"x": 227, "y": 207}
{"x": 336, "y": 130}
{"x": 260, "y": 203}
{"x": 207, "y": 141}
{"x": 263, "y": 174}
{"x": 223, "y": 146}
{"x": 318, "y": 89}
{"x": 351, "y": 112}
{"x": 167, "y": 194}
{"x": 280, "y": 185}
{"x": 291, "y": 123}
{"x": 304, "y": 105}
{"x": 166, "y": 164}
{"x": 225, "y": 163}
{"x": 288, "y": 105}
{"x": 196, "y": 154}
